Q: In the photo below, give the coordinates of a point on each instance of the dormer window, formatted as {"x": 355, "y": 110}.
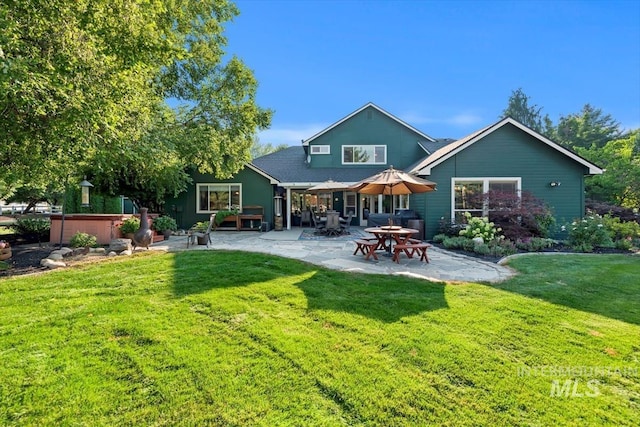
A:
{"x": 364, "y": 154}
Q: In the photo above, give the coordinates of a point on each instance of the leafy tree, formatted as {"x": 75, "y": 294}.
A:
{"x": 83, "y": 86}
{"x": 259, "y": 150}
{"x": 588, "y": 128}
{"x": 620, "y": 183}
{"x": 529, "y": 115}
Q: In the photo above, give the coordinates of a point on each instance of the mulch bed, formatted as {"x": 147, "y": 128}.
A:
{"x": 26, "y": 259}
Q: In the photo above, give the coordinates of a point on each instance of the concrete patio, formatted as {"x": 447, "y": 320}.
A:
{"x": 337, "y": 254}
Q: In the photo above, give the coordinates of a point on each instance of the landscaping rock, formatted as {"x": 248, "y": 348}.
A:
{"x": 112, "y": 253}
{"x": 98, "y": 250}
{"x": 65, "y": 252}
{"x": 55, "y": 255}
{"x": 49, "y": 263}
{"x": 119, "y": 245}
{"x": 127, "y": 252}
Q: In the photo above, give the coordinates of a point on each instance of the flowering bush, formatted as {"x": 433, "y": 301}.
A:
{"x": 479, "y": 227}
{"x": 83, "y": 240}
{"x": 587, "y": 233}
{"x": 130, "y": 225}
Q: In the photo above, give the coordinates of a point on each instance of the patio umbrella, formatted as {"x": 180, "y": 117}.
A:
{"x": 393, "y": 182}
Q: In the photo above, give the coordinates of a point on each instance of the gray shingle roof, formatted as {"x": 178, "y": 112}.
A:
{"x": 289, "y": 165}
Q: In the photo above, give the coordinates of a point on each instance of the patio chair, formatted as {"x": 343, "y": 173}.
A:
{"x": 194, "y": 234}
{"x": 305, "y": 217}
{"x": 333, "y": 226}
{"x": 347, "y": 225}
{"x": 319, "y": 227}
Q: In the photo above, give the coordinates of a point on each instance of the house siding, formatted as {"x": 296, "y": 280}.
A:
{"x": 370, "y": 127}
{"x": 256, "y": 190}
{"x": 510, "y": 152}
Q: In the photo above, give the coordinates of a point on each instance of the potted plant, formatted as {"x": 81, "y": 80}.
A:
{"x": 222, "y": 214}
{"x": 198, "y": 228}
{"x": 165, "y": 225}
{"x": 129, "y": 226}
{"x": 5, "y": 250}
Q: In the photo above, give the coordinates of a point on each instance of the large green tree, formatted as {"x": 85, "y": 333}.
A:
{"x": 588, "y": 128}
{"x": 83, "y": 90}
{"x": 620, "y": 183}
{"x": 530, "y": 115}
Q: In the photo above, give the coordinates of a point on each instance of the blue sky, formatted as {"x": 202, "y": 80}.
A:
{"x": 445, "y": 67}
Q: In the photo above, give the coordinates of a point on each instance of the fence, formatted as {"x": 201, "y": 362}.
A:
{"x": 19, "y": 208}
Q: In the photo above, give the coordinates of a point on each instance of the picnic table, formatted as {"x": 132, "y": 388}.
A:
{"x": 385, "y": 237}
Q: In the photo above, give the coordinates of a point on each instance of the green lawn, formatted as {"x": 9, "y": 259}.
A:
{"x": 237, "y": 339}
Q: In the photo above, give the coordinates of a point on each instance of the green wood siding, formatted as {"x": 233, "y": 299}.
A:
{"x": 510, "y": 152}
{"x": 256, "y": 190}
{"x": 370, "y": 127}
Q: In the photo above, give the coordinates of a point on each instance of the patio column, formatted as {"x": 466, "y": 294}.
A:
{"x": 288, "y": 208}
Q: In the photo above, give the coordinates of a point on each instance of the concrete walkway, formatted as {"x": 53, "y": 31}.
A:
{"x": 337, "y": 254}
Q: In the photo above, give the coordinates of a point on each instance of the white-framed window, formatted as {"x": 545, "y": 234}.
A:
{"x": 320, "y": 149}
{"x": 364, "y": 154}
{"x": 350, "y": 202}
{"x": 215, "y": 197}
{"x": 401, "y": 201}
{"x": 466, "y": 194}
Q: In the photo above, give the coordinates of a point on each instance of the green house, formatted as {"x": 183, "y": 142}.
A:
{"x": 505, "y": 156}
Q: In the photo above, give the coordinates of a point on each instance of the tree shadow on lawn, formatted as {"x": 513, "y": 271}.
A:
{"x": 385, "y": 298}
{"x": 608, "y": 285}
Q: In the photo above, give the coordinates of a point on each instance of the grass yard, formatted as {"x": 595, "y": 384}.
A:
{"x": 236, "y": 339}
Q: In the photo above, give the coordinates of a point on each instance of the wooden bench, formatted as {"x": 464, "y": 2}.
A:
{"x": 410, "y": 250}
{"x": 367, "y": 247}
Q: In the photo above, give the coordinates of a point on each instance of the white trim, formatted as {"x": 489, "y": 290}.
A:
{"x": 485, "y": 187}
{"x": 228, "y": 184}
{"x": 363, "y": 145}
{"x": 427, "y": 166}
{"x": 369, "y": 104}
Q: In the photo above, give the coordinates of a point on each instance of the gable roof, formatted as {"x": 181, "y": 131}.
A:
{"x": 288, "y": 167}
{"x": 359, "y": 110}
{"x": 259, "y": 171}
{"x": 424, "y": 167}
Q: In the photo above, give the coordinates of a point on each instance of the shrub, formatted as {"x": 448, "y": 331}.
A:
{"x": 455, "y": 242}
{"x": 447, "y": 228}
{"x": 587, "y": 233}
{"x": 130, "y": 225}
{"x": 620, "y": 230}
{"x": 482, "y": 249}
{"x": 519, "y": 216}
{"x": 439, "y": 238}
{"x": 502, "y": 247}
{"x": 534, "y": 244}
{"x": 83, "y": 240}
{"x": 163, "y": 223}
{"x": 624, "y": 244}
{"x": 33, "y": 226}
{"x": 601, "y": 208}
{"x": 479, "y": 227}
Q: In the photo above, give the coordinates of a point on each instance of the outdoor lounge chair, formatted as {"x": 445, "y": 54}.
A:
{"x": 192, "y": 235}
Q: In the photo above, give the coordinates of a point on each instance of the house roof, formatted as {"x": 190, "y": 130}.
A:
{"x": 289, "y": 168}
{"x": 440, "y": 155}
{"x": 372, "y": 105}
